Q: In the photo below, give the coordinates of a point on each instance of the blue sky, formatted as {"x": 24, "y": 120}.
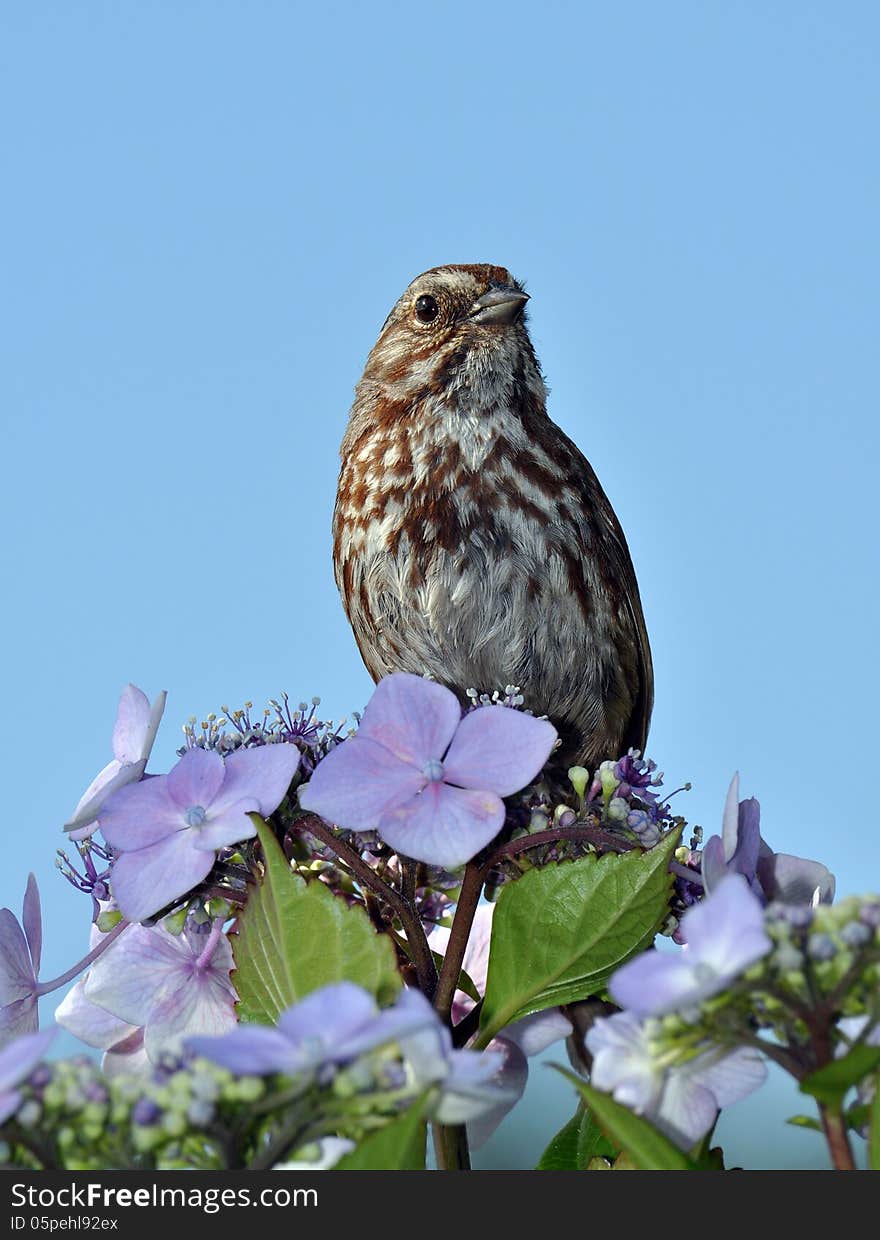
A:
{"x": 208, "y": 210}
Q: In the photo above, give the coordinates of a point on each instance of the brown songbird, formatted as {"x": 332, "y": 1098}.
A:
{"x": 472, "y": 540}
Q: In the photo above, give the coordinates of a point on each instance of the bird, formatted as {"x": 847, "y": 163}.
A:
{"x": 472, "y": 541}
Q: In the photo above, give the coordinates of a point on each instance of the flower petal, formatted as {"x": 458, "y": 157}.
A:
{"x": 481, "y": 1087}
{"x": 90, "y": 1023}
{"x": 202, "y": 1006}
{"x": 411, "y": 1013}
{"x": 19, "y": 1058}
{"x": 16, "y": 968}
{"x": 443, "y": 825}
{"x": 145, "y": 881}
{"x": 18, "y": 1018}
{"x": 358, "y": 782}
{"x": 535, "y": 1033}
{"x": 231, "y": 825}
{"x": 140, "y": 815}
{"x": 498, "y": 749}
{"x": 263, "y": 773}
{"x": 32, "y": 921}
{"x": 730, "y": 1075}
{"x": 412, "y": 717}
{"x": 622, "y": 1062}
{"x": 656, "y": 982}
{"x": 726, "y": 930}
{"x": 793, "y": 880}
{"x": 251, "y": 1050}
{"x": 132, "y": 721}
{"x": 153, "y": 722}
{"x": 686, "y": 1109}
{"x": 745, "y": 857}
{"x": 730, "y": 818}
{"x": 134, "y": 973}
{"x": 713, "y": 863}
{"x": 196, "y": 779}
{"x": 127, "y": 1058}
{"x": 113, "y": 777}
{"x": 328, "y": 1016}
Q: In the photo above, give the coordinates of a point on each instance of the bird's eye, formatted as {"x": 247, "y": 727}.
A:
{"x": 426, "y": 308}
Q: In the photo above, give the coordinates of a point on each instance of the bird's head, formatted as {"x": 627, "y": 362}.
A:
{"x": 450, "y": 321}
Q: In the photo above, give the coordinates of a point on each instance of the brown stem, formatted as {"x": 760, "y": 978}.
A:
{"x": 834, "y": 1126}
{"x": 423, "y": 960}
{"x": 589, "y": 835}
{"x": 451, "y": 1147}
{"x": 468, "y": 899}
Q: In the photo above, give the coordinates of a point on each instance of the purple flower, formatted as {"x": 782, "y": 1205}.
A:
{"x": 476, "y": 1088}
{"x": 681, "y": 1099}
{"x": 724, "y": 935}
{"x": 17, "y": 1061}
{"x": 329, "y": 1026}
{"x": 741, "y": 850}
{"x": 167, "y": 830}
{"x": 20, "y": 966}
{"x": 133, "y": 734}
{"x": 150, "y": 990}
{"x": 639, "y": 777}
{"x": 427, "y": 780}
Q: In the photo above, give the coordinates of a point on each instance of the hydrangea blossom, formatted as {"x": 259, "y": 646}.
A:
{"x": 739, "y": 849}
{"x": 724, "y": 934}
{"x": 339, "y": 1022}
{"x": 329, "y": 1026}
{"x": 150, "y": 990}
{"x": 167, "y": 830}
{"x": 427, "y": 780}
{"x": 134, "y": 732}
{"x": 475, "y": 1088}
{"x": 20, "y": 947}
{"x": 17, "y": 1060}
{"x": 681, "y": 1099}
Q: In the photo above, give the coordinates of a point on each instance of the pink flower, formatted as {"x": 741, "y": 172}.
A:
{"x": 427, "y": 780}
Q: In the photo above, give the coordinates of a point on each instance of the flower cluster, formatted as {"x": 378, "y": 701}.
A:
{"x": 336, "y": 1067}
{"x": 458, "y": 893}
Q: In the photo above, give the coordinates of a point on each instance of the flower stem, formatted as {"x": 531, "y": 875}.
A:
{"x": 417, "y": 942}
{"x": 44, "y": 988}
{"x": 834, "y": 1126}
{"x": 555, "y": 835}
{"x": 468, "y": 899}
{"x": 451, "y": 1147}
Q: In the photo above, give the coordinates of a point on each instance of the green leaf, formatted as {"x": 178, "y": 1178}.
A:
{"x": 874, "y": 1132}
{"x": 804, "y": 1121}
{"x": 294, "y": 937}
{"x": 576, "y": 1145}
{"x": 561, "y": 1153}
{"x": 559, "y": 932}
{"x": 399, "y": 1146}
{"x": 830, "y": 1084}
{"x": 648, "y": 1149}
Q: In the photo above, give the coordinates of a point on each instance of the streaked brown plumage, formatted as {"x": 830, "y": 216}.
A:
{"x": 472, "y": 540}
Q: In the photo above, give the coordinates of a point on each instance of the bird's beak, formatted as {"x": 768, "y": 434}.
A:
{"x": 499, "y": 305}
